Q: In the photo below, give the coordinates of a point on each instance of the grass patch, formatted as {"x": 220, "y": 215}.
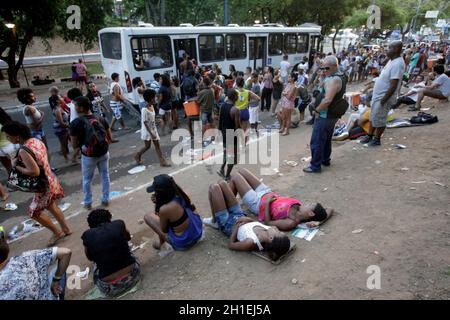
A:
{"x": 65, "y": 71}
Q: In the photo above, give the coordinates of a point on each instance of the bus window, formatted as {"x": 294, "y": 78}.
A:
{"x": 290, "y": 43}
{"x": 111, "y": 48}
{"x": 151, "y": 52}
{"x": 302, "y": 43}
{"x": 275, "y": 44}
{"x": 236, "y": 46}
{"x": 212, "y": 47}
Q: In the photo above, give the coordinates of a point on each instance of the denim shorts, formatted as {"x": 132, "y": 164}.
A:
{"x": 253, "y": 197}
{"x": 38, "y": 134}
{"x": 206, "y": 118}
{"x": 227, "y": 218}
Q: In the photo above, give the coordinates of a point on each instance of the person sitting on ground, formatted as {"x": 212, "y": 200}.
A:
{"x": 174, "y": 215}
{"x": 410, "y": 97}
{"x": 439, "y": 89}
{"x": 116, "y": 270}
{"x": 244, "y": 233}
{"x": 27, "y": 276}
{"x": 283, "y": 212}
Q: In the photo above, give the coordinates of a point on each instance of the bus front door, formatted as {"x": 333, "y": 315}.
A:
{"x": 257, "y": 52}
{"x": 184, "y": 46}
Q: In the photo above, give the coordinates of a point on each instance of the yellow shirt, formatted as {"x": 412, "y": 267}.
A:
{"x": 243, "y": 99}
{"x": 3, "y": 140}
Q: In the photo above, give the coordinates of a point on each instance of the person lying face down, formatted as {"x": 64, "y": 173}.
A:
{"x": 244, "y": 233}
{"x": 274, "y": 210}
{"x": 174, "y": 215}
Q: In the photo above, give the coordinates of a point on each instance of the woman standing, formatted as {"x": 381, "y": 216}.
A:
{"x": 32, "y": 156}
{"x": 60, "y": 122}
{"x": 267, "y": 84}
{"x": 244, "y": 97}
{"x": 139, "y": 88}
{"x": 164, "y": 101}
{"x": 276, "y": 93}
{"x": 287, "y": 104}
{"x": 176, "y": 101}
{"x": 149, "y": 132}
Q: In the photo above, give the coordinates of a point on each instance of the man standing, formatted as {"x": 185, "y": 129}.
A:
{"x": 206, "y": 99}
{"x": 81, "y": 71}
{"x": 92, "y": 135}
{"x": 284, "y": 69}
{"x": 384, "y": 95}
{"x": 333, "y": 90}
{"x": 117, "y": 101}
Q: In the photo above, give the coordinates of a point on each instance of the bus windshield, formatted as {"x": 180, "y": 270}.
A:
{"x": 151, "y": 52}
{"x": 111, "y": 47}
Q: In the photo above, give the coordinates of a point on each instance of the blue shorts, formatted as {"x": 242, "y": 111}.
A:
{"x": 253, "y": 197}
{"x": 245, "y": 114}
{"x": 116, "y": 108}
{"x": 226, "y": 219}
{"x": 206, "y": 118}
{"x": 38, "y": 134}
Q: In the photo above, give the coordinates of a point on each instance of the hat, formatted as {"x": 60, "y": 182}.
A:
{"x": 162, "y": 181}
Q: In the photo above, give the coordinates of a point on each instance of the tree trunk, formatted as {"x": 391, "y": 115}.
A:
{"x": 12, "y": 77}
{"x": 334, "y": 39}
{"x": 147, "y": 11}
{"x": 163, "y": 12}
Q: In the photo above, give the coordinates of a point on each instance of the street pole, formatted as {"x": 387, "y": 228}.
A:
{"x": 414, "y": 19}
{"x": 225, "y": 23}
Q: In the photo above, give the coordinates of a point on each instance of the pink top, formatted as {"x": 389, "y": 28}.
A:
{"x": 278, "y": 209}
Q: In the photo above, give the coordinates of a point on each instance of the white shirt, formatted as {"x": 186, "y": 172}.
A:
{"x": 73, "y": 111}
{"x": 393, "y": 70}
{"x": 155, "y": 62}
{"x": 284, "y": 68}
{"x": 444, "y": 84}
{"x": 246, "y": 232}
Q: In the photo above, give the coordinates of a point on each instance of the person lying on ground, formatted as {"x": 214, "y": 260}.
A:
{"x": 439, "y": 89}
{"x": 31, "y": 275}
{"x": 174, "y": 215}
{"x": 275, "y": 210}
{"x": 244, "y": 233}
{"x": 116, "y": 270}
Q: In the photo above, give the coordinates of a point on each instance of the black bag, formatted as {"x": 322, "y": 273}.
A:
{"x": 424, "y": 118}
{"x": 96, "y": 142}
{"x": 22, "y": 182}
{"x": 189, "y": 87}
{"x": 337, "y": 109}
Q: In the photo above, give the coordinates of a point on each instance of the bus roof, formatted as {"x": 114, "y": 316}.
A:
{"x": 208, "y": 30}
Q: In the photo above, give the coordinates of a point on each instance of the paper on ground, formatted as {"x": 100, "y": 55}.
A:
{"x": 305, "y": 233}
{"x": 137, "y": 169}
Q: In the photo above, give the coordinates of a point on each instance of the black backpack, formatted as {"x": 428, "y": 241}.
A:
{"x": 96, "y": 142}
{"x": 189, "y": 87}
{"x": 424, "y": 118}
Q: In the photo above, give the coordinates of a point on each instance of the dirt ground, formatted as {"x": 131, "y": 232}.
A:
{"x": 399, "y": 198}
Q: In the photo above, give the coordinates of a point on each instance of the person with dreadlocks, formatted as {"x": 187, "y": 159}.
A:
{"x": 174, "y": 215}
{"x": 116, "y": 270}
{"x": 274, "y": 210}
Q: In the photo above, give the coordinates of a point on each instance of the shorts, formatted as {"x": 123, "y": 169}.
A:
{"x": 253, "y": 197}
{"x": 162, "y": 112}
{"x": 226, "y": 219}
{"x": 38, "y": 134}
{"x": 245, "y": 114}
{"x": 254, "y": 115}
{"x": 116, "y": 108}
{"x": 9, "y": 150}
{"x": 379, "y": 113}
{"x": 206, "y": 118}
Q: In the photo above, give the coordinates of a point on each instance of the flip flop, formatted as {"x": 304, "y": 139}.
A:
{"x": 222, "y": 175}
{"x": 209, "y": 222}
{"x": 54, "y": 239}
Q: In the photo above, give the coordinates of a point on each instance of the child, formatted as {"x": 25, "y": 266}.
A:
{"x": 149, "y": 131}
{"x": 244, "y": 233}
{"x": 255, "y": 87}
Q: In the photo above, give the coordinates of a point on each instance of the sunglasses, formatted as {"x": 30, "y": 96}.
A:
{"x": 324, "y": 68}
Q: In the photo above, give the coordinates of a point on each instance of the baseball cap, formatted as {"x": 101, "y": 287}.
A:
{"x": 160, "y": 182}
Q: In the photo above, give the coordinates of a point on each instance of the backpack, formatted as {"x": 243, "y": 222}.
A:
{"x": 189, "y": 87}
{"x": 424, "y": 118}
{"x": 96, "y": 142}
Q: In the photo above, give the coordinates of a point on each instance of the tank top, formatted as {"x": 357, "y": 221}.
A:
{"x": 226, "y": 122}
{"x": 246, "y": 232}
{"x": 29, "y": 119}
{"x": 279, "y": 208}
{"x": 111, "y": 89}
{"x": 243, "y": 99}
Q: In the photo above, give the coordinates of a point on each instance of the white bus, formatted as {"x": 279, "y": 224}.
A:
{"x": 142, "y": 51}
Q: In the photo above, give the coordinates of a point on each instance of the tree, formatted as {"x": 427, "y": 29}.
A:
{"x": 44, "y": 21}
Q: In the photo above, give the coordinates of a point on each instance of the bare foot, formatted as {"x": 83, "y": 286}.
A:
{"x": 55, "y": 238}
{"x": 137, "y": 159}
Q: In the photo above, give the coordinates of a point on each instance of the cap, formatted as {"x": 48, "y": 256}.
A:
{"x": 162, "y": 181}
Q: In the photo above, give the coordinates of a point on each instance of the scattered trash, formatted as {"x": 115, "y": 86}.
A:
{"x": 425, "y": 109}
{"x": 138, "y": 131}
{"x": 132, "y": 147}
{"x": 303, "y": 260}
{"x": 280, "y": 174}
{"x": 325, "y": 189}
{"x": 137, "y": 169}
{"x": 165, "y": 250}
{"x": 412, "y": 188}
{"x": 10, "y": 206}
{"x": 13, "y": 233}
{"x": 404, "y": 169}
{"x": 377, "y": 162}
{"x": 228, "y": 262}
{"x": 128, "y": 188}
{"x": 391, "y": 138}
{"x": 440, "y": 184}
{"x": 276, "y": 170}
{"x": 303, "y": 232}
{"x": 83, "y": 274}
{"x": 376, "y": 252}
{"x": 115, "y": 194}
{"x": 64, "y": 206}
{"x": 354, "y": 149}
{"x": 30, "y": 226}
{"x": 398, "y": 146}
{"x": 357, "y": 231}
{"x": 141, "y": 246}
{"x": 404, "y": 138}
{"x": 417, "y": 182}
{"x": 306, "y": 159}
{"x": 140, "y": 221}
{"x": 291, "y": 163}
{"x": 294, "y": 281}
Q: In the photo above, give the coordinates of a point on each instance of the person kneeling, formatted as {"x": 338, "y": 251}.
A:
{"x": 244, "y": 233}
{"x": 116, "y": 270}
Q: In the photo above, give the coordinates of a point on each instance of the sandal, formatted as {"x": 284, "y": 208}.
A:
{"x": 165, "y": 164}
{"x": 54, "y": 239}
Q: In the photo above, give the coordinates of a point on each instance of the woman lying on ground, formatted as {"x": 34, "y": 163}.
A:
{"x": 274, "y": 210}
{"x": 174, "y": 215}
{"x": 116, "y": 270}
{"x": 245, "y": 234}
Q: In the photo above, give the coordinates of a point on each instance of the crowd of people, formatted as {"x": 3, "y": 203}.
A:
{"x": 227, "y": 102}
